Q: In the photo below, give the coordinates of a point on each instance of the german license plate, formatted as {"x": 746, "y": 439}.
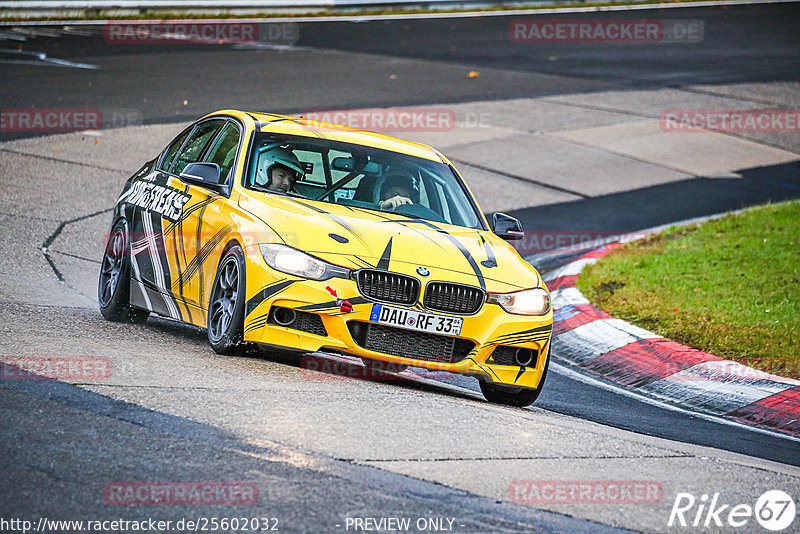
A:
{"x": 415, "y": 320}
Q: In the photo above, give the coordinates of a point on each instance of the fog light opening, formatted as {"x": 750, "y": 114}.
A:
{"x": 284, "y": 316}
{"x": 523, "y": 356}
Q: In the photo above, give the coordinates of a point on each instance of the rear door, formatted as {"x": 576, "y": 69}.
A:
{"x": 197, "y": 239}
{"x": 163, "y": 204}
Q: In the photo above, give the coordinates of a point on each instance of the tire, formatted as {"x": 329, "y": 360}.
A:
{"x": 518, "y": 397}
{"x": 114, "y": 283}
{"x": 226, "y": 306}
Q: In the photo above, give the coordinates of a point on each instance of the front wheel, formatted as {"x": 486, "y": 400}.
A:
{"x": 514, "y": 397}
{"x": 226, "y": 307}
{"x": 114, "y": 284}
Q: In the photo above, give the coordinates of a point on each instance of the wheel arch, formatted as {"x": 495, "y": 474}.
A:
{"x": 233, "y": 241}
{"x": 228, "y": 338}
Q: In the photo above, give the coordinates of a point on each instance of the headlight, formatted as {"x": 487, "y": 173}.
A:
{"x": 527, "y": 302}
{"x": 291, "y": 261}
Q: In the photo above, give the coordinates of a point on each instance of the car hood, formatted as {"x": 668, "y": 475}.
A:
{"x": 359, "y": 238}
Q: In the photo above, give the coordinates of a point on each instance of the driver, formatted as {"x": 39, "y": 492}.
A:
{"x": 278, "y": 170}
{"x": 398, "y": 189}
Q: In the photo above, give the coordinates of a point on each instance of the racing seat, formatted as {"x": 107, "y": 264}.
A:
{"x": 365, "y": 189}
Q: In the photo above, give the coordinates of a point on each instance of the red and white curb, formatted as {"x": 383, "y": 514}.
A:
{"x": 590, "y": 339}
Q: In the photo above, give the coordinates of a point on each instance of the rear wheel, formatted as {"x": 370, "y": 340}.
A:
{"x": 114, "y": 284}
{"x": 226, "y": 307}
{"x": 514, "y": 397}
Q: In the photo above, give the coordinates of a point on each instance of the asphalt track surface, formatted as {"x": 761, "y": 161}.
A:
{"x": 404, "y": 62}
{"x": 63, "y": 444}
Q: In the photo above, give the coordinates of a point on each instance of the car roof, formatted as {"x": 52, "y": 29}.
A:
{"x": 286, "y": 124}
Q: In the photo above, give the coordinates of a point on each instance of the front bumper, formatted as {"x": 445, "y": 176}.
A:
{"x": 484, "y": 349}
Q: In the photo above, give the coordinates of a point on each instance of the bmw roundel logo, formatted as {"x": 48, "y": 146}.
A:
{"x": 422, "y": 271}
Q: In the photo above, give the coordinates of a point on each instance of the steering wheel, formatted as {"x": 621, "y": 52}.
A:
{"x": 417, "y": 210}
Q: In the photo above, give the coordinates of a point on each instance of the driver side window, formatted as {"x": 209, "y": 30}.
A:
{"x": 224, "y": 150}
{"x": 196, "y": 144}
{"x": 169, "y": 154}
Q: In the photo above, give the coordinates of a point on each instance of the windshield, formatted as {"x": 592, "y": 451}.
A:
{"x": 361, "y": 177}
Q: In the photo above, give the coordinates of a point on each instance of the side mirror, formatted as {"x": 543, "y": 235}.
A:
{"x": 203, "y": 174}
{"x": 507, "y": 227}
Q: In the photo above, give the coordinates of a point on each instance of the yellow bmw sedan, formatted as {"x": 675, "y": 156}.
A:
{"x": 310, "y": 236}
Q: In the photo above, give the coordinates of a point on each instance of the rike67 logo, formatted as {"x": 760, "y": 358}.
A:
{"x": 774, "y": 510}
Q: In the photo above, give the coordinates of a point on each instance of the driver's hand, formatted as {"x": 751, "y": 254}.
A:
{"x": 395, "y": 201}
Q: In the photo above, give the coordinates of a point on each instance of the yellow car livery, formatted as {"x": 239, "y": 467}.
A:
{"x": 288, "y": 232}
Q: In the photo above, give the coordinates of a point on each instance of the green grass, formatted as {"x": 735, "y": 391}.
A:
{"x": 730, "y": 286}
